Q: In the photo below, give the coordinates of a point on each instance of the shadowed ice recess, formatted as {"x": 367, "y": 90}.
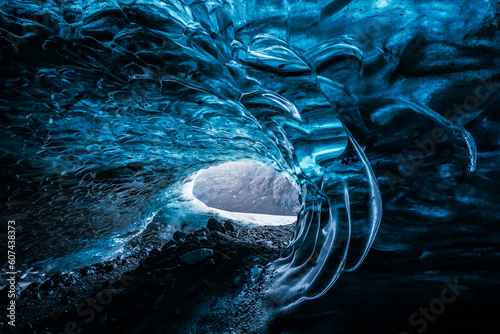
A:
{"x": 110, "y": 107}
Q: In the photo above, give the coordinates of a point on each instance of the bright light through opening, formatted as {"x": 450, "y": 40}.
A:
{"x": 245, "y": 192}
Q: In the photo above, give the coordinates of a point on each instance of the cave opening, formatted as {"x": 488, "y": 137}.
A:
{"x": 246, "y": 192}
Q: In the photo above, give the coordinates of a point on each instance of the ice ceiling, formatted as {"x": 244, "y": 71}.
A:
{"x": 107, "y": 105}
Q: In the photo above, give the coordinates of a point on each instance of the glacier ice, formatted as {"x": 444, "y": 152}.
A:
{"x": 105, "y": 104}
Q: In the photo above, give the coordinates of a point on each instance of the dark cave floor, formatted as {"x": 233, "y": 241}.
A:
{"x": 203, "y": 282}
{"x": 212, "y": 281}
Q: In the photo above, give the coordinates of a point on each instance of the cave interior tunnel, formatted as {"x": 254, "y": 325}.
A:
{"x": 282, "y": 166}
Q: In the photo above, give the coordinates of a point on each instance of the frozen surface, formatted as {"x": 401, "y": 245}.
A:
{"x": 108, "y": 106}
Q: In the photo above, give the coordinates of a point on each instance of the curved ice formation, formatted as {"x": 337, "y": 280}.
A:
{"x": 105, "y": 104}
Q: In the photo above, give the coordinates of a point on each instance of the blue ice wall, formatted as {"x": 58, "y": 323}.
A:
{"x": 105, "y": 104}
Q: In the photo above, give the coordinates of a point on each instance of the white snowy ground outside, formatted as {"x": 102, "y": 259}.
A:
{"x": 245, "y": 218}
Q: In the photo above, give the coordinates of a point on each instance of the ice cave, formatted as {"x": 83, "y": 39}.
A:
{"x": 250, "y": 167}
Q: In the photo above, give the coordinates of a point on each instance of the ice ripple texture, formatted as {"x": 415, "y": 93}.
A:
{"x": 105, "y": 104}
